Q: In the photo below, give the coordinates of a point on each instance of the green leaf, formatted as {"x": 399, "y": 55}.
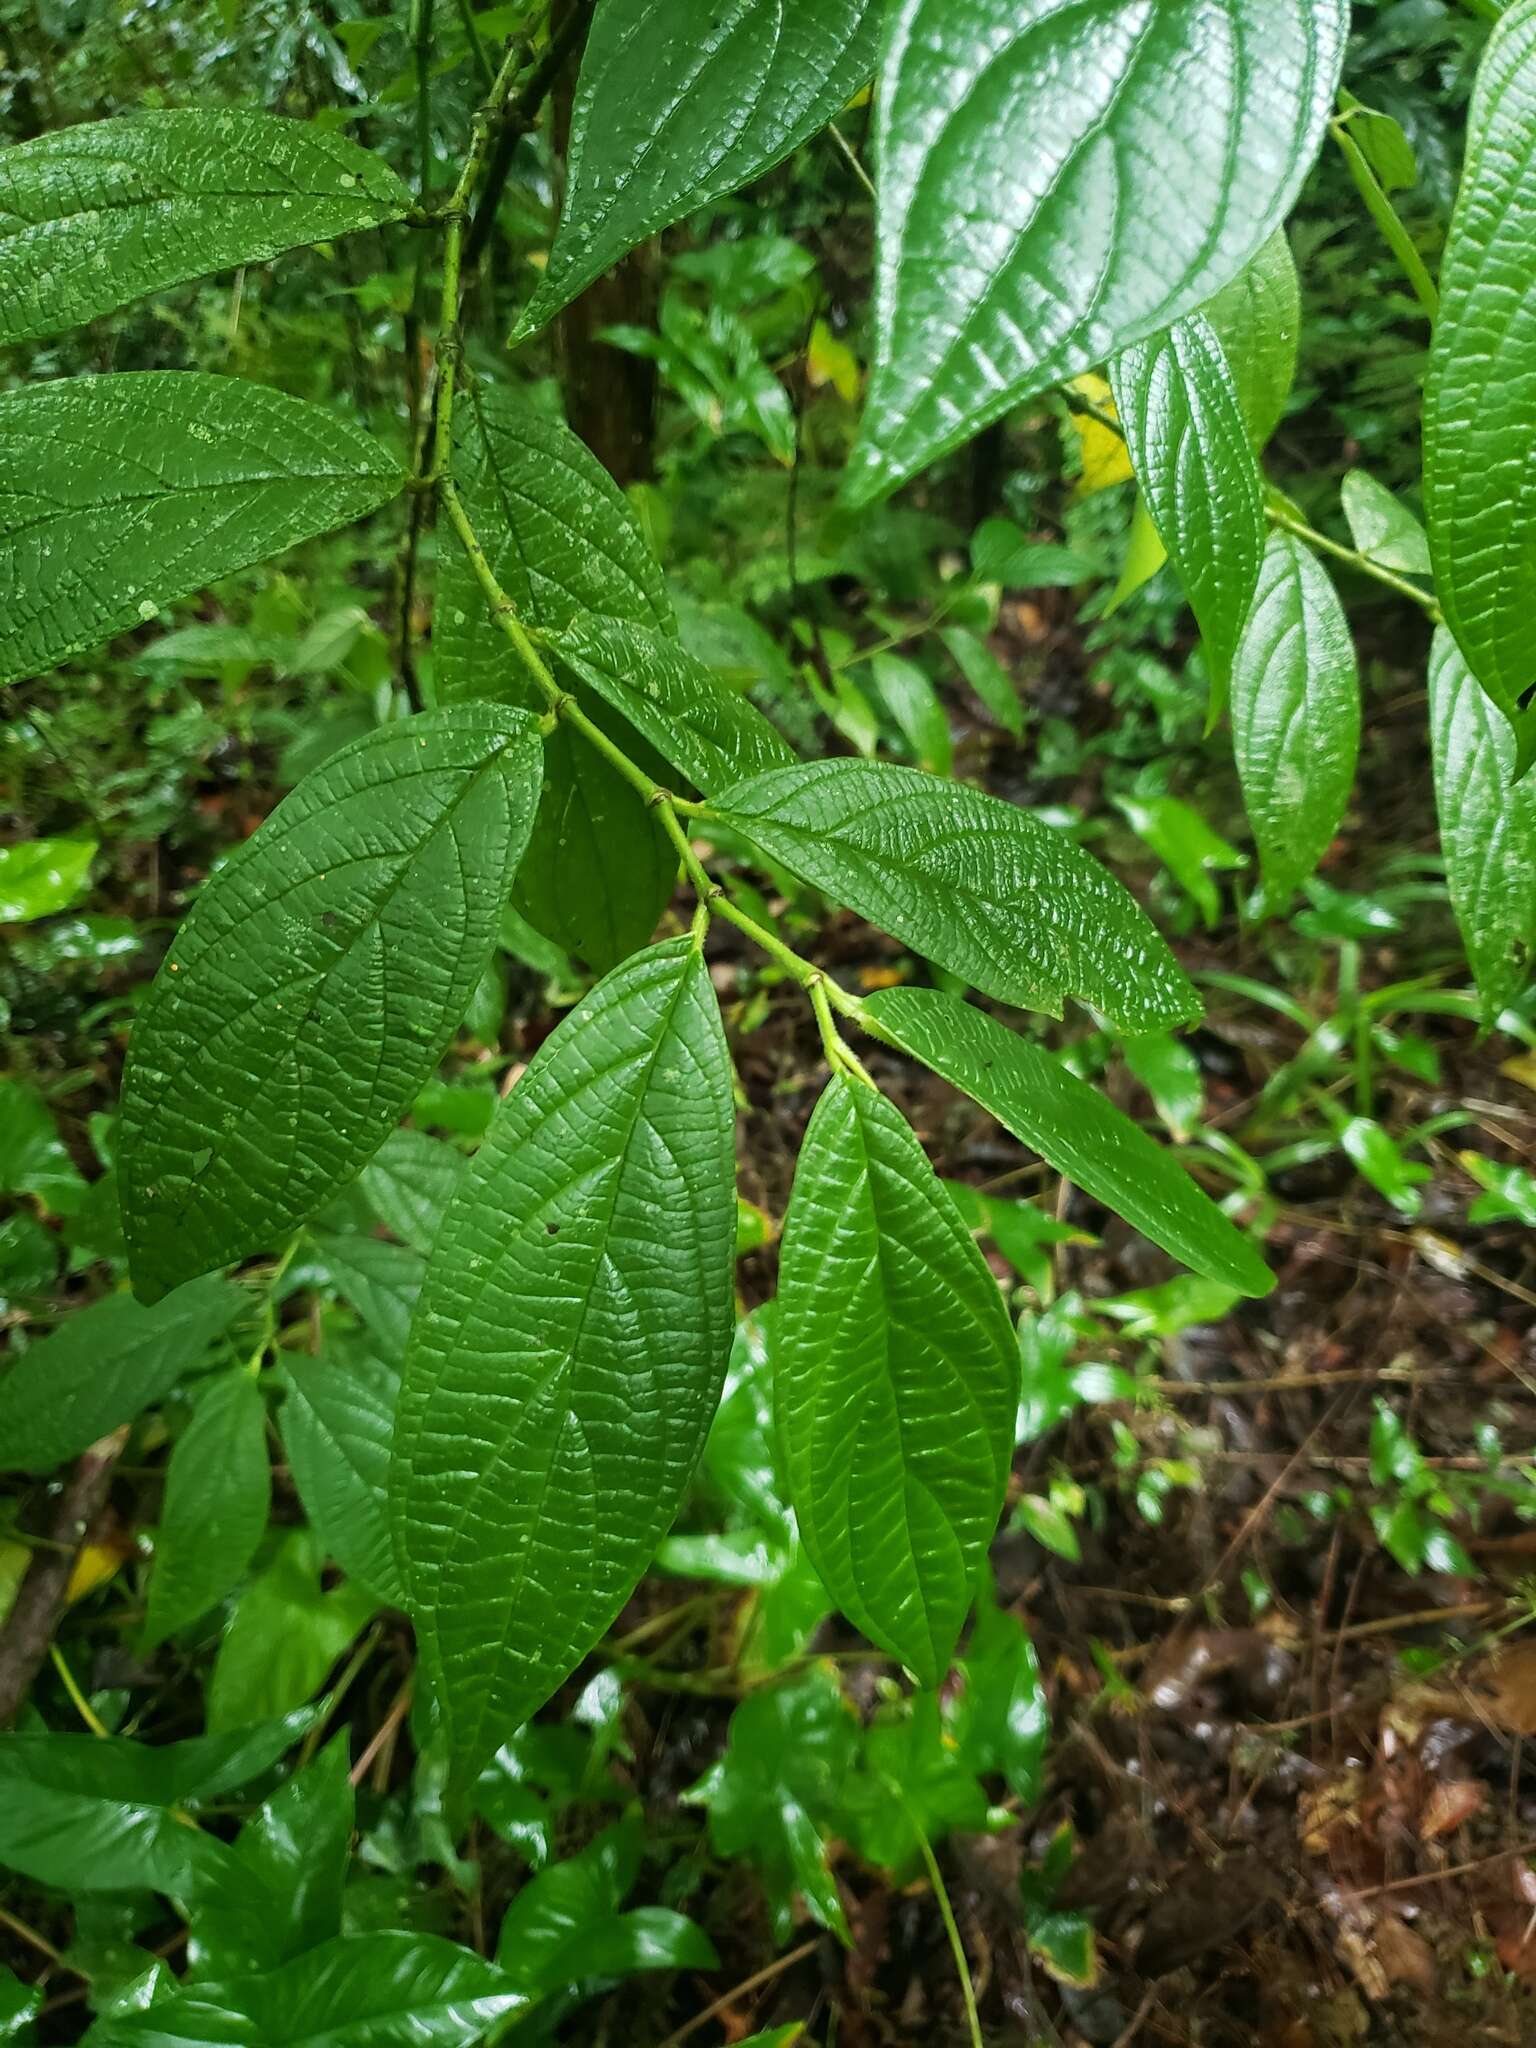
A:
{"x": 1295, "y": 715}
{"x": 99, "y": 1813}
{"x": 973, "y": 884}
{"x": 1171, "y": 1075}
{"x": 664, "y": 123}
{"x": 100, "y": 213}
{"x": 987, "y": 677}
{"x": 359, "y": 1991}
{"x": 913, "y": 705}
{"x": 1002, "y": 1720}
{"x": 41, "y": 876}
{"x": 284, "y": 1636}
{"x": 381, "y": 1281}
{"x": 1487, "y": 829}
{"x": 337, "y": 1423}
{"x": 160, "y": 482}
{"x": 569, "y": 1346}
{"x": 1185, "y": 844}
{"x": 314, "y": 986}
{"x": 1003, "y": 553}
{"x": 912, "y": 1785}
{"x": 1480, "y": 389}
{"x": 1257, "y": 320}
{"x": 218, "y": 1489}
{"x": 409, "y": 1183}
{"x": 895, "y": 1380}
{"x": 992, "y": 285}
{"x": 1382, "y": 528}
{"x": 1188, "y": 438}
{"x": 19, "y": 2004}
{"x": 564, "y": 1927}
{"x": 104, "y": 1364}
{"x": 1073, "y": 1127}
{"x": 34, "y": 1160}
{"x": 775, "y": 1794}
{"x": 694, "y": 719}
{"x": 283, "y": 1893}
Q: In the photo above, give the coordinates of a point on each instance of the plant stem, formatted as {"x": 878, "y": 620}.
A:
{"x": 1289, "y": 523}
{"x": 1384, "y": 213}
{"x": 82, "y": 1705}
{"x": 956, "y": 1945}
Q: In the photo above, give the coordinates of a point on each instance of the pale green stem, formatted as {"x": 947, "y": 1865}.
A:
{"x": 1384, "y": 213}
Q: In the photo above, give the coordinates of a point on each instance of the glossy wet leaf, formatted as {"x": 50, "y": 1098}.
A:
{"x": 974, "y": 884}
{"x": 669, "y": 116}
{"x": 121, "y": 494}
{"x": 1481, "y": 385}
{"x": 1189, "y": 442}
{"x": 775, "y": 1794}
{"x": 1487, "y": 829}
{"x": 1170, "y": 1072}
{"x": 1295, "y": 715}
{"x": 285, "y": 1634}
{"x": 338, "y": 1422}
{"x": 1382, "y": 527}
{"x": 314, "y": 986}
{"x": 41, "y": 876}
{"x": 218, "y": 1489}
{"x": 693, "y": 718}
{"x": 895, "y": 1380}
{"x": 569, "y": 1347}
{"x": 98, "y": 213}
{"x": 1039, "y": 210}
{"x": 358, "y": 1991}
{"x": 1072, "y": 1126}
{"x": 410, "y": 1181}
{"x": 1257, "y": 320}
{"x": 380, "y": 1281}
{"x": 102, "y": 1366}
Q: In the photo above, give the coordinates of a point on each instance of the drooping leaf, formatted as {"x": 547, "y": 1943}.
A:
{"x": 913, "y": 706}
{"x": 41, "y": 876}
{"x": 1295, "y": 714}
{"x": 358, "y": 1991}
{"x": 103, "y": 1365}
{"x": 569, "y": 1346}
{"x": 1040, "y": 208}
{"x": 94, "y": 1813}
{"x": 775, "y": 1794}
{"x": 1383, "y": 528}
{"x": 285, "y": 1634}
{"x": 690, "y": 715}
{"x": 1189, "y": 443}
{"x": 315, "y": 984}
{"x": 974, "y": 884}
{"x": 1257, "y": 320}
{"x": 672, "y": 114}
{"x": 1480, "y": 389}
{"x": 1072, "y": 1126}
{"x": 99, "y": 213}
{"x": 120, "y": 494}
{"x": 410, "y": 1181}
{"x": 895, "y": 1380}
{"x": 218, "y": 1489}
{"x": 337, "y": 1423}
{"x": 1487, "y": 829}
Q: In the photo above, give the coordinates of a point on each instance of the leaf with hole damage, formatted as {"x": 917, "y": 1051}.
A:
{"x": 569, "y": 1347}
{"x": 99, "y": 213}
{"x": 121, "y": 494}
{"x": 1041, "y": 204}
{"x": 896, "y": 1377}
{"x": 314, "y": 986}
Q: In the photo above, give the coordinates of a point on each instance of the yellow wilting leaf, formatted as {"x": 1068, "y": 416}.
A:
{"x": 1106, "y": 460}
{"x": 1521, "y": 1068}
{"x": 830, "y": 361}
{"x": 95, "y": 1563}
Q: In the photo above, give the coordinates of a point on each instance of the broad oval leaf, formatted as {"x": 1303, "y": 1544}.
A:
{"x": 690, "y": 715}
{"x": 1257, "y": 320}
{"x": 97, "y": 214}
{"x": 1199, "y": 479}
{"x": 102, "y": 1366}
{"x": 569, "y": 1347}
{"x": 973, "y": 884}
{"x": 357, "y": 1991}
{"x": 1480, "y": 391}
{"x": 564, "y": 544}
{"x": 315, "y": 984}
{"x": 896, "y": 1379}
{"x": 1072, "y": 1126}
{"x": 1383, "y": 528}
{"x": 1295, "y": 715}
{"x": 120, "y": 494}
{"x": 679, "y": 104}
{"x": 338, "y": 1421}
{"x": 218, "y": 1489}
{"x": 1487, "y": 829}
{"x": 1058, "y": 182}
